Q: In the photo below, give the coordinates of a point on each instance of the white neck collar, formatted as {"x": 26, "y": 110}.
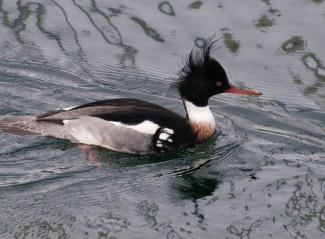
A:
{"x": 197, "y": 114}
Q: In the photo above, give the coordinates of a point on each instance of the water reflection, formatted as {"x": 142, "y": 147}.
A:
{"x": 304, "y": 206}
{"x": 244, "y": 232}
{"x": 110, "y": 33}
{"x": 191, "y": 173}
{"x": 294, "y": 44}
{"x": 196, "y": 4}
{"x": 148, "y": 30}
{"x": 166, "y": 8}
{"x": 231, "y": 44}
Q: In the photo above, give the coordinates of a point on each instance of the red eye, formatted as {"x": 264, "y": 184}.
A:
{"x": 219, "y": 83}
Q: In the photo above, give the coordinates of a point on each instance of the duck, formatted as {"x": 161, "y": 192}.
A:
{"x": 136, "y": 126}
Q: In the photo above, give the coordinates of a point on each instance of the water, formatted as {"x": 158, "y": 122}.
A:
{"x": 262, "y": 178}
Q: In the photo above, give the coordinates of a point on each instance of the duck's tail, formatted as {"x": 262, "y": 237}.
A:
{"x": 19, "y": 125}
{"x": 29, "y": 125}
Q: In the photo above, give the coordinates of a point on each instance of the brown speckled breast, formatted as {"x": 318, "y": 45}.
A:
{"x": 203, "y": 131}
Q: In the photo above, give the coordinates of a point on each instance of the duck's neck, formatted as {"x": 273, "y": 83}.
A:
{"x": 201, "y": 120}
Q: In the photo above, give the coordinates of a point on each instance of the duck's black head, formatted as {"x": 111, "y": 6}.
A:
{"x": 203, "y": 76}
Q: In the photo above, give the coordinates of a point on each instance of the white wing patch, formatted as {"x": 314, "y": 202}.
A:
{"x": 145, "y": 127}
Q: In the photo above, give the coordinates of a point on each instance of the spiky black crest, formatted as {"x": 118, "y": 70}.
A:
{"x": 195, "y": 62}
{"x": 198, "y": 77}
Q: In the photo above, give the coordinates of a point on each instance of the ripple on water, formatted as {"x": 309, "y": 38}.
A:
{"x": 294, "y": 44}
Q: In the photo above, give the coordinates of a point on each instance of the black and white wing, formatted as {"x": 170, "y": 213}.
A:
{"x": 126, "y": 125}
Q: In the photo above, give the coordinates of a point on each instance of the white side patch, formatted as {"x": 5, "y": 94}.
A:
{"x": 198, "y": 114}
{"x": 145, "y": 127}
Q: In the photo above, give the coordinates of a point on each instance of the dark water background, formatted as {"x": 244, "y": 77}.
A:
{"x": 264, "y": 177}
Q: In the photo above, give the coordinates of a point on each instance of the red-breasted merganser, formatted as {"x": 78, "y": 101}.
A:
{"x": 136, "y": 126}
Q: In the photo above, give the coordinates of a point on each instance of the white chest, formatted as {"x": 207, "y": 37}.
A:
{"x": 199, "y": 115}
{"x": 201, "y": 120}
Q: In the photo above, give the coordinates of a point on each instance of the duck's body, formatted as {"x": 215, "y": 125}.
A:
{"x": 126, "y": 125}
{"x": 136, "y": 126}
